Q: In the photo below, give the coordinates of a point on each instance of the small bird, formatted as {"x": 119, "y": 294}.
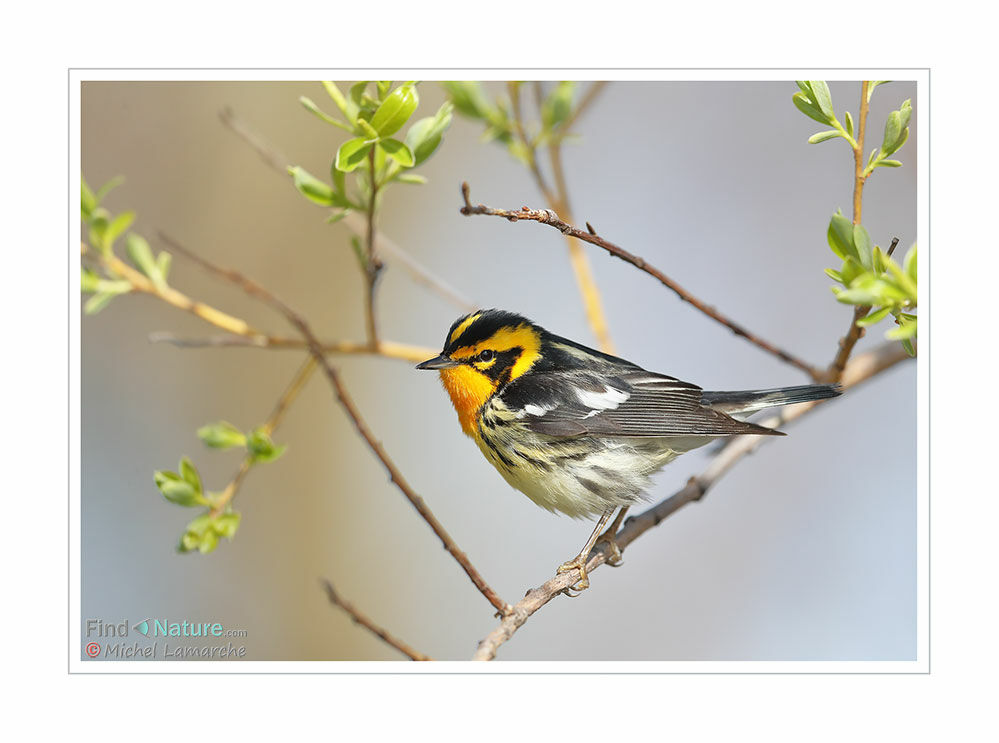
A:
{"x": 579, "y": 431}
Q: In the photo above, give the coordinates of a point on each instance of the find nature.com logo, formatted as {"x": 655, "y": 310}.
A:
{"x": 117, "y": 647}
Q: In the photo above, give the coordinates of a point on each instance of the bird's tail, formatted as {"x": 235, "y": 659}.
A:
{"x": 749, "y": 401}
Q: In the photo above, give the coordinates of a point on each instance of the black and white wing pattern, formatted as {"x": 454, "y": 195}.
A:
{"x": 627, "y": 403}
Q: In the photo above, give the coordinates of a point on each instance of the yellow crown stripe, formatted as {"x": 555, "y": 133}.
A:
{"x": 463, "y": 327}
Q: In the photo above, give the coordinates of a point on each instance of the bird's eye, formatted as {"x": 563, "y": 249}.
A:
{"x": 486, "y": 355}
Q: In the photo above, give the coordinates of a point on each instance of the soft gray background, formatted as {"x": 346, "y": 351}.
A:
{"x": 806, "y": 551}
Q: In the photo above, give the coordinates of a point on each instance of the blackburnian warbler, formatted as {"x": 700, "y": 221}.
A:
{"x": 579, "y": 431}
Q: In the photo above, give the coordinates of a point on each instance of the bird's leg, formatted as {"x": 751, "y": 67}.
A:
{"x": 579, "y": 561}
{"x": 613, "y": 551}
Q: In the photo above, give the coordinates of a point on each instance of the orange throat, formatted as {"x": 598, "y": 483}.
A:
{"x": 469, "y": 391}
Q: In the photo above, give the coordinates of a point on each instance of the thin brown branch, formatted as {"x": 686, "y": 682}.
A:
{"x": 372, "y": 263}
{"x": 513, "y": 88}
{"x": 591, "y": 94}
{"x": 253, "y": 289}
{"x": 547, "y": 216}
{"x": 353, "y": 222}
{"x": 388, "y": 349}
{"x": 858, "y": 155}
{"x": 860, "y": 369}
{"x": 359, "y": 618}
{"x": 277, "y": 415}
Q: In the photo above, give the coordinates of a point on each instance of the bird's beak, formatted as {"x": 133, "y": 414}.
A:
{"x": 439, "y": 362}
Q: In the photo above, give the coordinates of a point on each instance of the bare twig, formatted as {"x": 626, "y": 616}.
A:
{"x": 280, "y": 408}
{"x": 359, "y": 618}
{"x": 252, "y": 288}
{"x": 353, "y": 222}
{"x": 388, "y": 349}
{"x": 858, "y": 155}
{"x": 372, "y": 263}
{"x": 860, "y": 369}
{"x": 549, "y": 217}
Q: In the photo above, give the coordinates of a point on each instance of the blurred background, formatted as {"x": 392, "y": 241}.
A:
{"x": 806, "y": 551}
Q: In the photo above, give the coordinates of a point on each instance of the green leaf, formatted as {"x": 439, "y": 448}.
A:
{"x": 860, "y": 295}
{"x": 888, "y": 164}
{"x": 163, "y": 261}
{"x": 355, "y": 100}
{"x": 834, "y": 275}
{"x": 907, "y": 345}
{"x": 261, "y": 448}
{"x": 108, "y": 187}
{"x": 209, "y": 541}
{"x": 190, "y": 474}
{"x": 138, "y": 250}
{"x": 905, "y": 112}
{"x": 906, "y": 285}
{"x": 221, "y": 435}
{"x": 369, "y": 132}
{"x": 383, "y": 87}
{"x": 822, "y": 98}
{"x": 424, "y": 136}
{"x": 98, "y": 302}
{"x": 872, "y": 85}
{"x": 823, "y": 136}
{"x": 874, "y": 318}
{"x": 851, "y": 270}
{"x": 862, "y": 241}
{"x": 909, "y": 264}
{"x": 339, "y": 180}
{"x": 874, "y": 153}
{"x": 468, "y": 98}
{"x": 116, "y": 228}
{"x": 98, "y": 226}
{"x": 351, "y": 154}
{"x": 314, "y": 189}
{"x": 395, "y": 110}
{"x": 176, "y": 489}
{"x": 336, "y": 95}
{"x": 88, "y": 201}
{"x": 227, "y": 524}
{"x": 89, "y": 281}
{"x": 314, "y": 109}
{"x": 893, "y": 130}
{"x": 905, "y": 329}
{"x": 337, "y": 216}
{"x": 558, "y": 104}
{"x": 397, "y": 151}
{"x": 849, "y": 122}
{"x": 840, "y": 236}
{"x": 880, "y": 260}
{"x": 804, "y": 105}
{"x": 413, "y": 178}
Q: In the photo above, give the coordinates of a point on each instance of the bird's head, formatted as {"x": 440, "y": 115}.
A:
{"x": 482, "y": 352}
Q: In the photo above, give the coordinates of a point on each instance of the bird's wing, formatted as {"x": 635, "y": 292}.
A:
{"x": 629, "y": 403}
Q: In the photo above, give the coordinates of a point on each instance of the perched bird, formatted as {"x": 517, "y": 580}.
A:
{"x": 579, "y": 431}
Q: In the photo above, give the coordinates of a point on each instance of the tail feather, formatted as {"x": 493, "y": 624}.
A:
{"x": 749, "y": 401}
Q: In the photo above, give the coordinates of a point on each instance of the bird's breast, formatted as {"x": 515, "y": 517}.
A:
{"x": 469, "y": 391}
